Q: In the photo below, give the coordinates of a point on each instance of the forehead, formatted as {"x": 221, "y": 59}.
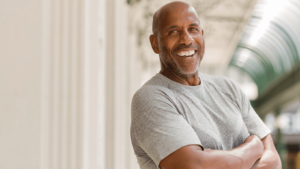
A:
{"x": 178, "y": 17}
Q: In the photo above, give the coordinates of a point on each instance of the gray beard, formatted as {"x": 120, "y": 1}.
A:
{"x": 178, "y": 71}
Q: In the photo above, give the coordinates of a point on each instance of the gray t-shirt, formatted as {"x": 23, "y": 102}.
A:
{"x": 167, "y": 115}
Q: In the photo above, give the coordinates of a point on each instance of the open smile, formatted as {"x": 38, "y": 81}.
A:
{"x": 187, "y": 53}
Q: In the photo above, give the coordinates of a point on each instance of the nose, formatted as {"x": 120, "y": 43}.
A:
{"x": 186, "y": 38}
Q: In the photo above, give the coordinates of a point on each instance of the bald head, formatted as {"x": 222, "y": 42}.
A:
{"x": 169, "y": 8}
{"x": 178, "y": 39}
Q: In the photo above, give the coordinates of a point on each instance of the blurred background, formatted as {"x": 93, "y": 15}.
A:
{"x": 69, "y": 68}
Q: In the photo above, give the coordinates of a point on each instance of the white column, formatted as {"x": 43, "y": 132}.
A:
{"x": 20, "y": 86}
{"x": 71, "y": 85}
{"x": 121, "y": 83}
{"x": 102, "y": 30}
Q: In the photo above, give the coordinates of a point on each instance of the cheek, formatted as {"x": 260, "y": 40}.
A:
{"x": 203, "y": 47}
{"x": 166, "y": 50}
{"x": 168, "y": 44}
{"x": 201, "y": 43}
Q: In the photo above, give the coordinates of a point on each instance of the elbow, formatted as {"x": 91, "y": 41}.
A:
{"x": 274, "y": 161}
{"x": 278, "y": 162}
{"x": 279, "y": 165}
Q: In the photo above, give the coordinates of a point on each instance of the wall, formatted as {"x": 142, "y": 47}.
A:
{"x": 121, "y": 81}
{"x": 20, "y": 74}
{"x": 67, "y": 78}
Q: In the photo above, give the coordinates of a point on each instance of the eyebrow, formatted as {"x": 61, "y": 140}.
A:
{"x": 171, "y": 27}
{"x": 175, "y": 26}
{"x": 194, "y": 24}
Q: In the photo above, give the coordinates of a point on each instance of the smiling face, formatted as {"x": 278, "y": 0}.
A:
{"x": 179, "y": 40}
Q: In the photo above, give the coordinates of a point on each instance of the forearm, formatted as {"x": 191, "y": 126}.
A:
{"x": 216, "y": 159}
{"x": 192, "y": 157}
{"x": 242, "y": 157}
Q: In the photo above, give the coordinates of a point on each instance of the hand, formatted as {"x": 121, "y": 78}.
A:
{"x": 250, "y": 151}
{"x": 253, "y": 137}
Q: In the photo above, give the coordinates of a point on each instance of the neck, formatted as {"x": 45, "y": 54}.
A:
{"x": 193, "y": 80}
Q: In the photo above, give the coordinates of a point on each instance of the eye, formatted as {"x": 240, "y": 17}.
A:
{"x": 173, "y": 32}
{"x": 194, "y": 29}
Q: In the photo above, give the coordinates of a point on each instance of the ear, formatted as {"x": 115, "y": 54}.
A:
{"x": 202, "y": 32}
{"x": 154, "y": 43}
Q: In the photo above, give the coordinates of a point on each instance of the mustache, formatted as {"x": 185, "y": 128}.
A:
{"x": 183, "y": 46}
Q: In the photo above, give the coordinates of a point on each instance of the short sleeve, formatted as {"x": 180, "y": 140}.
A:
{"x": 157, "y": 127}
{"x": 253, "y": 122}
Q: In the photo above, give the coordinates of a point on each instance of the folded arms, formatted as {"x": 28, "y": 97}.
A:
{"x": 253, "y": 150}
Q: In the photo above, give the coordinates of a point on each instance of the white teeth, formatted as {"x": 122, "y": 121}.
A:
{"x": 191, "y": 52}
{"x": 186, "y": 53}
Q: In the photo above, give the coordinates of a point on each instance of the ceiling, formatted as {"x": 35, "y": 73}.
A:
{"x": 270, "y": 44}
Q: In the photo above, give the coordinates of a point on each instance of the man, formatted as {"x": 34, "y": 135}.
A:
{"x": 182, "y": 119}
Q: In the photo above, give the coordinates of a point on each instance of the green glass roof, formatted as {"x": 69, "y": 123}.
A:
{"x": 270, "y": 44}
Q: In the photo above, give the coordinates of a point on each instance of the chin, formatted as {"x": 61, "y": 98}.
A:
{"x": 186, "y": 74}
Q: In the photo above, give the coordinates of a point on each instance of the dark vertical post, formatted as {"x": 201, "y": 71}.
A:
{"x": 280, "y": 145}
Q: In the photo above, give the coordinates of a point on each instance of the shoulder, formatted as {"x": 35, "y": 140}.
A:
{"x": 220, "y": 82}
{"x": 158, "y": 86}
{"x": 154, "y": 94}
{"x": 154, "y": 88}
{"x": 224, "y": 85}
